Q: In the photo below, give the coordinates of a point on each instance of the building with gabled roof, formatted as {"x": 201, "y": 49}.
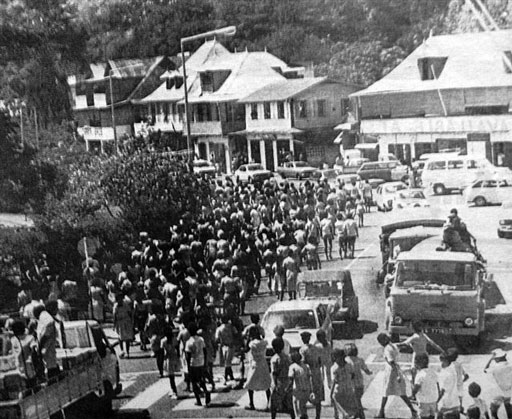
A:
{"x": 452, "y": 92}
{"x": 92, "y": 96}
{"x": 295, "y": 119}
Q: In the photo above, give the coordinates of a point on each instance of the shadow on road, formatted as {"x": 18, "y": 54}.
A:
{"x": 354, "y": 330}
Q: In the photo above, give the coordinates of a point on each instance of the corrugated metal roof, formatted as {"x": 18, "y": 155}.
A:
{"x": 132, "y": 68}
{"x": 474, "y": 60}
{"x": 282, "y": 90}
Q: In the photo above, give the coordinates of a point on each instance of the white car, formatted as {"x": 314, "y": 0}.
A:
{"x": 488, "y": 191}
{"x": 295, "y": 316}
{"x": 384, "y": 195}
{"x": 410, "y": 198}
{"x": 204, "y": 167}
{"x": 253, "y": 172}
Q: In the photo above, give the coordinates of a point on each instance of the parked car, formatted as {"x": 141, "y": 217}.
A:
{"x": 204, "y": 167}
{"x": 505, "y": 223}
{"x": 352, "y": 165}
{"x": 330, "y": 175}
{"x": 295, "y": 316}
{"x": 252, "y": 172}
{"x": 334, "y": 287}
{"x": 387, "y": 170}
{"x": 298, "y": 170}
{"x": 410, "y": 198}
{"x": 448, "y": 172}
{"x": 488, "y": 191}
{"x": 384, "y": 195}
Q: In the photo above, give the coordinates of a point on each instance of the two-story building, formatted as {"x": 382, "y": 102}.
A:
{"x": 92, "y": 96}
{"x": 295, "y": 117}
{"x": 452, "y": 92}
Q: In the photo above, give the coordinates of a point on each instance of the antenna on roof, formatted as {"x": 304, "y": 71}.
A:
{"x": 246, "y": 49}
{"x": 265, "y": 48}
{"x": 431, "y": 33}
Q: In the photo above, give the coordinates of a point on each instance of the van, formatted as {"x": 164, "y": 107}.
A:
{"x": 443, "y": 174}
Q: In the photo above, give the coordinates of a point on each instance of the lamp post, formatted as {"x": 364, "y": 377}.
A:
{"x": 112, "y": 112}
{"x": 227, "y": 31}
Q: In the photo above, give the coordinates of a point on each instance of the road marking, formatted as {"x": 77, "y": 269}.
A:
{"x": 151, "y": 395}
{"x": 360, "y": 255}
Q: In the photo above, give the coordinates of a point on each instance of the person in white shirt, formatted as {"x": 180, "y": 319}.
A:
{"x": 448, "y": 401}
{"x": 425, "y": 387}
{"x": 195, "y": 351}
{"x": 501, "y": 371}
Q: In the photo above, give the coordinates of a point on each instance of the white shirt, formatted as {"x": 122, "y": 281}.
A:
{"x": 427, "y": 380}
{"x": 448, "y": 383}
{"x": 502, "y": 373}
{"x": 195, "y": 347}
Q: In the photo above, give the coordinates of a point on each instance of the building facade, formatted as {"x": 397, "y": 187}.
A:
{"x": 120, "y": 82}
{"x": 452, "y": 93}
{"x": 295, "y": 118}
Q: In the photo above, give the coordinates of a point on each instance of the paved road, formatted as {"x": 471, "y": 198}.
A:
{"x": 144, "y": 390}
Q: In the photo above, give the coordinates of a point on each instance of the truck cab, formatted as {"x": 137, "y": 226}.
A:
{"x": 443, "y": 290}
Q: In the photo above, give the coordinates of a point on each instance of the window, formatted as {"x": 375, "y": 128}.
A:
{"x": 181, "y": 112}
{"x": 303, "y": 109}
{"x": 207, "y": 81}
{"x": 280, "y": 110}
{"x": 266, "y": 110}
{"x": 320, "y": 107}
{"x": 95, "y": 120}
{"x": 178, "y": 82}
{"x": 169, "y": 83}
{"x": 437, "y": 165}
{"x": 431, "y": 67}
{"x": 507, "y": 61}
{"x": 490, "y": 184}
{"x": 345, "y": 106}
{"x": 165, "y": 111}
{"x": 215, "y": 112}
{"x": 90, "y": 98}
{"x": 254, "y": 111}
{"x": 203, "y": 112}
{"x": 486, "y": 110}
{"x": 455, "y": 164}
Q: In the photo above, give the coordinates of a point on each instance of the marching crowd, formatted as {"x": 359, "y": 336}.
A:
{"x": 185, "y": 297}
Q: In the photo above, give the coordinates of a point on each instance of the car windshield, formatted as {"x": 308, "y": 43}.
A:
{"x": 320, "y": 289}
{"x": 296, "y": 319}
{"x": 394, "y": 188}
{"x": 411, "y": 195}
{"x": 255, "y": 167}
{"x": 434, "y": 274}
{"x": 301, "y": 164}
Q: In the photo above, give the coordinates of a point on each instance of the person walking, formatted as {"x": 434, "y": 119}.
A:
{"x": 312, "y": 358}
{"x": 195, "y": 350}
{"x": 280, "y": 394}
{"x": 342, "y": 388}
{"x": 394, "y": 380}
{"x": 358, "y": 367}
{"x": 258, "y": 377}
{"x": 351, "y": 233}
{"x": 325, "y": 350}
{"x": 225, "y": 338}
{"x": 300, "y": 380}
{"x": 169, "y": 345}
{"x": 123, "y": 323}
{"x": 155, "y": 329}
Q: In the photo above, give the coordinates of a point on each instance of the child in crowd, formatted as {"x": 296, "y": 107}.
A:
{"x": 453, "y": 354}
{"x": 358, "y": 366}
{"x": 474, "y": 391}
{"x": 300, "y": 380}
{"x": 425, "y": 388}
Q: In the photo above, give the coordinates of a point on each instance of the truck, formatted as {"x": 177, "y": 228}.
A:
{"x": 444, "y": 290}
{"x": 90, "y": 373}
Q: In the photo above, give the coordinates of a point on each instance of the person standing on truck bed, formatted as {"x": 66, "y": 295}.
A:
{"x": 47, "y": 337}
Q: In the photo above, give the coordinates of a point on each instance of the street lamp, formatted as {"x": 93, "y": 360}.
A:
{"x": 112, "y": 112}
{"x": 227, "y": 31}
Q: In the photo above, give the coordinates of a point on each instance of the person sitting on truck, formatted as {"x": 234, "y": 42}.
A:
{"x": 47, "y": 337}
{"x": 24, "y": 345}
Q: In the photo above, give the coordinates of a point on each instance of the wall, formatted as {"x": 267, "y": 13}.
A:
{"x": 274, "y": 123}
{"x": 332, "y": 93}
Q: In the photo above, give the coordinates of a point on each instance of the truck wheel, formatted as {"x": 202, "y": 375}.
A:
{"x": 480, "y": 201}
{"x": 105, "y": 402}
{"x": 439, "y": 189}
{"x": 500, "y": 234}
